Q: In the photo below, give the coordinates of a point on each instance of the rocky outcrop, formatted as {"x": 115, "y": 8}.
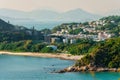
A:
{"x": 88, "y": 69}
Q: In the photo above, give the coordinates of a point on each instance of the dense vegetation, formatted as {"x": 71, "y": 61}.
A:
{"x": 76, "y": 31}
{"x": 10, "y": 33}
{"x": 6, "y": 26}
{"x": 25, "y": 46}
{"x": 83, "y": 46}
{"x": 104, "y": 54}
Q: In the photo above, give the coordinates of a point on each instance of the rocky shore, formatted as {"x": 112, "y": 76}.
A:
{"x": 88, "y": 69}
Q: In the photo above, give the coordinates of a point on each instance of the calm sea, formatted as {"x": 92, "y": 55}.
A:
{"x": 33, "y": 68}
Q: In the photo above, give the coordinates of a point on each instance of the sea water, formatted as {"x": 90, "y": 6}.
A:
{"x": 34, "y": 68}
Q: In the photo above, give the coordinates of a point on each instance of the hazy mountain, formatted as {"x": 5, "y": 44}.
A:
{"x": 48, "y": 15}
{"x": 79, "y": 15}
{"x": 13, "y": 13}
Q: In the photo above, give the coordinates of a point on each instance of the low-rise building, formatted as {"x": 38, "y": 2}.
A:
{"x": 103, "y": 35}
{"x": 65, "y": 40}
{"x": 73, "y": 41}
{"x": 55, "y": 40}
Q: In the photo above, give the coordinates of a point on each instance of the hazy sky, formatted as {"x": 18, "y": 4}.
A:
{"x": 94, "y": 6}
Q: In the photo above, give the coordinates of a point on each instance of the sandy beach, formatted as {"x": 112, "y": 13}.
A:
{"x": 47, "y": 55}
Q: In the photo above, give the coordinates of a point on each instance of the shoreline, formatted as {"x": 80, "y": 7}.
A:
{"x": 64, "y": 57}
{"x": 44, "y": 55}
{"x": 88, "y": 69}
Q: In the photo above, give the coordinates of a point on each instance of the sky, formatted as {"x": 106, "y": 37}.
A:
{"x": 93, "y": 6}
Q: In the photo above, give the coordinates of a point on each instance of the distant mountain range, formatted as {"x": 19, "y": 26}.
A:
{"x": 48, "y": 18}
{"x": 77, "y": 15}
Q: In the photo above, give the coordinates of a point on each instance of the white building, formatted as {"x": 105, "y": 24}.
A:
{"x": 65, "y": 40}
{"x": 72, "y": 41}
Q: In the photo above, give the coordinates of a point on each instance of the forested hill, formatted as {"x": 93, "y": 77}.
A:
{"x": 9, "y": 32}
{"x": 103, "y": 54}
{"x": 4, "y": 26}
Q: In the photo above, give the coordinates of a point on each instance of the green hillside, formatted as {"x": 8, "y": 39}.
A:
{"x": 104, "y": 54}
{"x": 10, "y": 33}
{"x": 4, "y": 26}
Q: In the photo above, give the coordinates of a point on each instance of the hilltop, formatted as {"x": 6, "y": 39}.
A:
{"x": 9, "y": 32}
{"x": 4, "y": 26}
